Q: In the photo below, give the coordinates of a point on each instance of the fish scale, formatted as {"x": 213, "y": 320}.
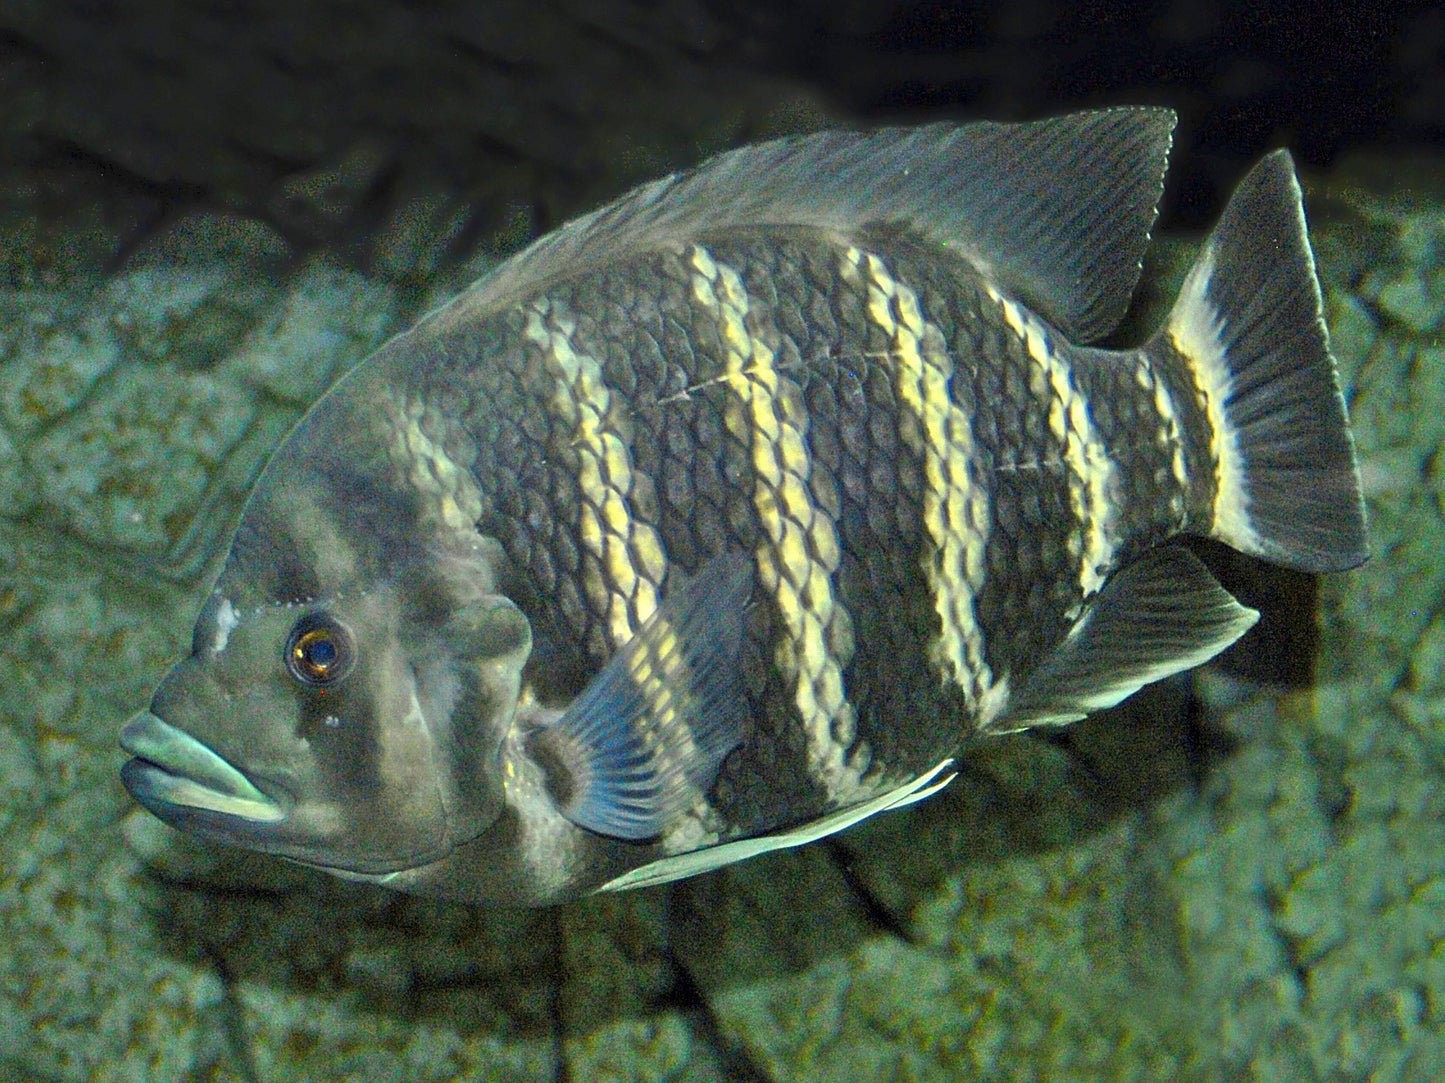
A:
{"x": 1195, "y": 446}
{"x": 805, "y": 636}
{"x": 725, "y": 516}
{"x": 1013, "y": 561}
{"x": 797, "y": 563}
{"x": 818, "y": 648}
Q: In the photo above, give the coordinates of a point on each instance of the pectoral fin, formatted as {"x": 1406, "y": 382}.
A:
{"x": 645, "y": 738}
{"x": 1158, "y": 616}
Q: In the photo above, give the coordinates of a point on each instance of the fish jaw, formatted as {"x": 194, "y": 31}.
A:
{"x": 182, "y": 781}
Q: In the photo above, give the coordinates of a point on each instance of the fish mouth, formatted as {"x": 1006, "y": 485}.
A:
{"x": 173, "y": 774}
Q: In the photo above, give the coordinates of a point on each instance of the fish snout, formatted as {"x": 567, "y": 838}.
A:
{"x": 173, "y": 774}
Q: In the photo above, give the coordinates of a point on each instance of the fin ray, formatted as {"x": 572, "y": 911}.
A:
{"x": 693, "y": 862}
{"x": 1056, "y": 211}
{"x": 1160, "y": 615}
{"x": 646, "y": 736}
{"x": 1249, "y": 325}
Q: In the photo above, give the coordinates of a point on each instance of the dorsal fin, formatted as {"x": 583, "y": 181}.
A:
{"x": 1056, "y": 212}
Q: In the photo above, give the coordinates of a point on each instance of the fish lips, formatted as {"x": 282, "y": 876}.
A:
{"x": 186, "y": 784}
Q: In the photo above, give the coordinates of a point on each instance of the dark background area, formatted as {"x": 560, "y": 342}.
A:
{"x": 403, "y": 134}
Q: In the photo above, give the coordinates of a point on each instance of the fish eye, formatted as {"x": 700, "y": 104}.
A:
{"x": 319, "y": 650}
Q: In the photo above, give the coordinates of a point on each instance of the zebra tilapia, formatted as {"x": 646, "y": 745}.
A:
{"x": 722, "y": 517}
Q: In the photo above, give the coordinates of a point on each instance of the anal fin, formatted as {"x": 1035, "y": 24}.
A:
{"x": 645, "y": 738}
{"x": 1157, "y": 616}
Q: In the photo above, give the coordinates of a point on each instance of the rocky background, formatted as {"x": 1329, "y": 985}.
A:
{"x": 208, "y": 210}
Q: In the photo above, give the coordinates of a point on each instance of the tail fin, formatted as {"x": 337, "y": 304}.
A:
{"x": 1248, "y": 326}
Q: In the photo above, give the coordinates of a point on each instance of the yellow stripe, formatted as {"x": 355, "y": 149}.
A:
{"x": 1195, "y": 329}
{"x": 661, "y": 674}
{"x": 1169, "y": 436}
{"x": 955, "y": 496}
{"x": 1091, "y": 472}
{"x": 450, "y": 496}
{"x": 766, "y": 413}
{"x": 625, "y": 573}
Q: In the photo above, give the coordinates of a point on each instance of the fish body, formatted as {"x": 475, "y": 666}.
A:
{"x": 722, "y": 517}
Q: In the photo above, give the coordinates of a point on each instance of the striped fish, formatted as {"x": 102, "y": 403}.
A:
{"x": 719, "y": 519}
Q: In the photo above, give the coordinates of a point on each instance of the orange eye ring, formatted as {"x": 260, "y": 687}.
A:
{"x": 319, "y": 651}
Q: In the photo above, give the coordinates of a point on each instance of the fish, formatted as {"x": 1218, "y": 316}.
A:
{"x": 727, "y": 515}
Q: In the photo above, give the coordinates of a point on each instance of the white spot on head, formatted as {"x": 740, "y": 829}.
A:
{"x": 226, "y": 620}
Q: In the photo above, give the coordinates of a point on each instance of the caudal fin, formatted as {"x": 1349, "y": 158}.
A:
{"x": 1248, "y": 326}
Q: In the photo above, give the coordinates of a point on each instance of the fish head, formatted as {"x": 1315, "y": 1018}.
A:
{"x": 355, "y": 725}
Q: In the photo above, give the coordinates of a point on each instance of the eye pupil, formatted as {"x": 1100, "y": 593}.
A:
{"x": 319, "y": 651}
